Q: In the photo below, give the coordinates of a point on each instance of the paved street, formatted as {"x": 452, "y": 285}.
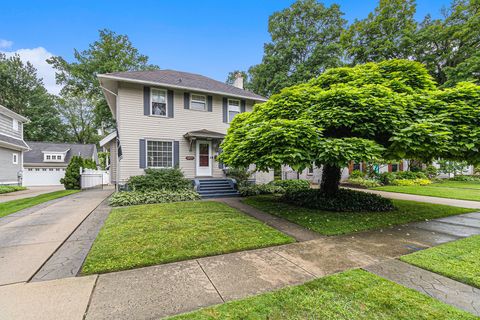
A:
{"x": 28, "y": 239}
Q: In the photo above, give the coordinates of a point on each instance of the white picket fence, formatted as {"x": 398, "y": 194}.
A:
{"x": 91, "y": 178}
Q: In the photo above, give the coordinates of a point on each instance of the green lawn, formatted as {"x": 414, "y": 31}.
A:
{"x": 13, "y": 206}
{"x": 463, "y": 190}
{"x": 459, "y": 260}
{"x": 335, "y": 223}
{"x": 145, "y": 235}
{"x": 8, "y": 189}
{"x": 354, "y": 294}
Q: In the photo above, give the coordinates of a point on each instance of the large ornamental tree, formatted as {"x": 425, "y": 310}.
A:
{"x": 383, "y": 111}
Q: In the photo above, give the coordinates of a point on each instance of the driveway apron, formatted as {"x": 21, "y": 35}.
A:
{"x": 29, "y": 240}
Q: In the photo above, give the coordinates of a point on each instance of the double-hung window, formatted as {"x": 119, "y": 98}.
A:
{"x": 159, "y": 154}
{"x": 233, "y": 108}
{"x": 158, "y": 102}
{"x": 198, "y": 102}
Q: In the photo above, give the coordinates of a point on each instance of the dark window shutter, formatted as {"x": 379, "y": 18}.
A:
{"x": 143, "y": 154}
{"x": 186, "y": 100}
{"x": 170, "y": 103}
{"x": 242, "y": 105}
{"x": 176, "y": 154}
{"x": 146, "y": 101}
{"x": 225, "y": 110}
{"x": 209, "y": 103}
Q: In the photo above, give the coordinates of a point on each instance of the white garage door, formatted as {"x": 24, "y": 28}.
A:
{"x": 42, "y": 176}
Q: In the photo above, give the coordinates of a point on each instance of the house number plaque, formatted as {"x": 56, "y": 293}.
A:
{"x": 189, "y": 157}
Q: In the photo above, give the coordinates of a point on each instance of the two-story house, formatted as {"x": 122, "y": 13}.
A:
{"x": 12, "y": 146}
{"x": 168, "y": 118}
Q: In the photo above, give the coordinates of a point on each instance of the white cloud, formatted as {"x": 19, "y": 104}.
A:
{"x": 5, "y": 43}
{"x": 38, "y": 57}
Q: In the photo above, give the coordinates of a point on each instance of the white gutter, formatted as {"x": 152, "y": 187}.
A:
{"x": 154, "y": 83}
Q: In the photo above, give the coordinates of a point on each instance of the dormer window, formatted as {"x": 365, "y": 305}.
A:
{"x": 49, "y": 157}
{"x": 158, "y": 102}
{"x": 15, "y": 125}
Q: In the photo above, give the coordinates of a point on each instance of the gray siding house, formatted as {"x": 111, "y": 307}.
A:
{"x": 12, "y": 146}
{"x": 45, "y": 162}
{"x": 169, "y": 118}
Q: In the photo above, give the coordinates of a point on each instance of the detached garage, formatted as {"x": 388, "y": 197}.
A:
{"x": 45, "y": 162}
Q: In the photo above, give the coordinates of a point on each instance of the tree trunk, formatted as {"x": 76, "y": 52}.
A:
{"x": 330, "y": 179}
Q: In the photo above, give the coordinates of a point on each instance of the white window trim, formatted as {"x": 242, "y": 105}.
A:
{"x": 15, "y": 158}
{"x": 146, "y": 152}
{"x": 228, "y": 108}
{"x": 166, "y": 103}
{"x": 201, "y": 95}
{"x": 15, "y": 125}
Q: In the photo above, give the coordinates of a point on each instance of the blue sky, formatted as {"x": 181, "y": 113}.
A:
{"x": 206, "y": 37}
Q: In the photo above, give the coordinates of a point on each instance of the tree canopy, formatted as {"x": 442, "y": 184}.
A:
{"x": 23, "y": 92}
{"x": 110, "y": 53}
{"x": 372, "y": 112}
{"x": 305, "y": 42}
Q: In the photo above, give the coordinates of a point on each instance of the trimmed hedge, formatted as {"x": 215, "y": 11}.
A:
{"x": 8, "y": 189}
{"x": 411, "y": 182}
{"x": 163, "y": 196}
{"x": 160, "y": 179}
{"x": 258, "y": 189}
{"x": 466, "y": 178}
{"x": 362, "y": 182}
{"x": 343, "y": 200}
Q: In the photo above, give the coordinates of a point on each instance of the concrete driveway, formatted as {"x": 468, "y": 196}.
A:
{"x": 30, "y": 192}
{"x": 28, "y": 240}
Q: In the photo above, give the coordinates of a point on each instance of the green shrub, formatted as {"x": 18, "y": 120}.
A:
{"x": 465, "y": 178}
{"x": 366, "y": 183}
{"x": 160, "y": 179}
{"x": 7, "y": 189}
{"x": 241, "y": 175}
{"x": 431, "y": 171}
{"x": 163, "y": 196}
{"x": 71, "y": 180}
{"x": 357, "y": 174}
{"x": 386, "y": 178}
{"x": 291, "y": 185}
{"x": 343, "y": 200}
{"x": 258, "y": 189}
{"x": 410, "y": 175}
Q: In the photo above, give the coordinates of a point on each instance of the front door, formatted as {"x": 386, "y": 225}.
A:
{"x": 204, "y": 158}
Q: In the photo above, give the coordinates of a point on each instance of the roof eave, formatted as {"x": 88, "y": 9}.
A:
{"x": 155, "y": 83}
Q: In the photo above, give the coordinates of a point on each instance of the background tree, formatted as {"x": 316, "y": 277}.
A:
{"x": 110, "y": 53}
{"x": 305, "y": 42}
{"x": 387, "y": 33}
{"x": 23, "y": 92}
{"x": 246, "y": 79}
{"x": 450, "y": 46}
{"x": 373, "y": 112}
{"x": 79, "y": 116}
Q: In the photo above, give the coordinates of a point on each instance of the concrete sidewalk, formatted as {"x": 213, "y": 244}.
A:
{"x": 28, "y": 239}
{"x": 159, "y": 291}
{"x": 428, "y": 199}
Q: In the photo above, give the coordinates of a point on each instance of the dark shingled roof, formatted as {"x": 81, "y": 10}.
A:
{"x": 186, "y": 80}
{"x": 35, "y": 155}
{"x": 19, "y": 143}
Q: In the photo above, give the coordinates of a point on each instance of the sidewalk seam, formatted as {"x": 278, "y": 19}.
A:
{"x": 91, "y": 297}
{"x": 218, "y": 292}
{"x": 313, "y": 275}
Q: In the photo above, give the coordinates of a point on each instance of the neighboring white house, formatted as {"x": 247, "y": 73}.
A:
{"x": 12, "y": 146}
{"x": 45, "y": 162}
{"x": 168, "y": 118}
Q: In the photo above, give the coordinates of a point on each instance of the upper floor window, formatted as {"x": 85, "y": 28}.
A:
{"x": 159, "y": 154}
{"x": 53, "y": 157}
{"x": 15, "y": 125}
{"x": 158, "y": 102}
{"x": 198, "y": 102}
{"x": 233, "y": 109}
{"x": 15, "y": 158}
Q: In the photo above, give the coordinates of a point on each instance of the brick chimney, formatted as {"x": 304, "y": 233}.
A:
{"x": 238, "y": 82}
